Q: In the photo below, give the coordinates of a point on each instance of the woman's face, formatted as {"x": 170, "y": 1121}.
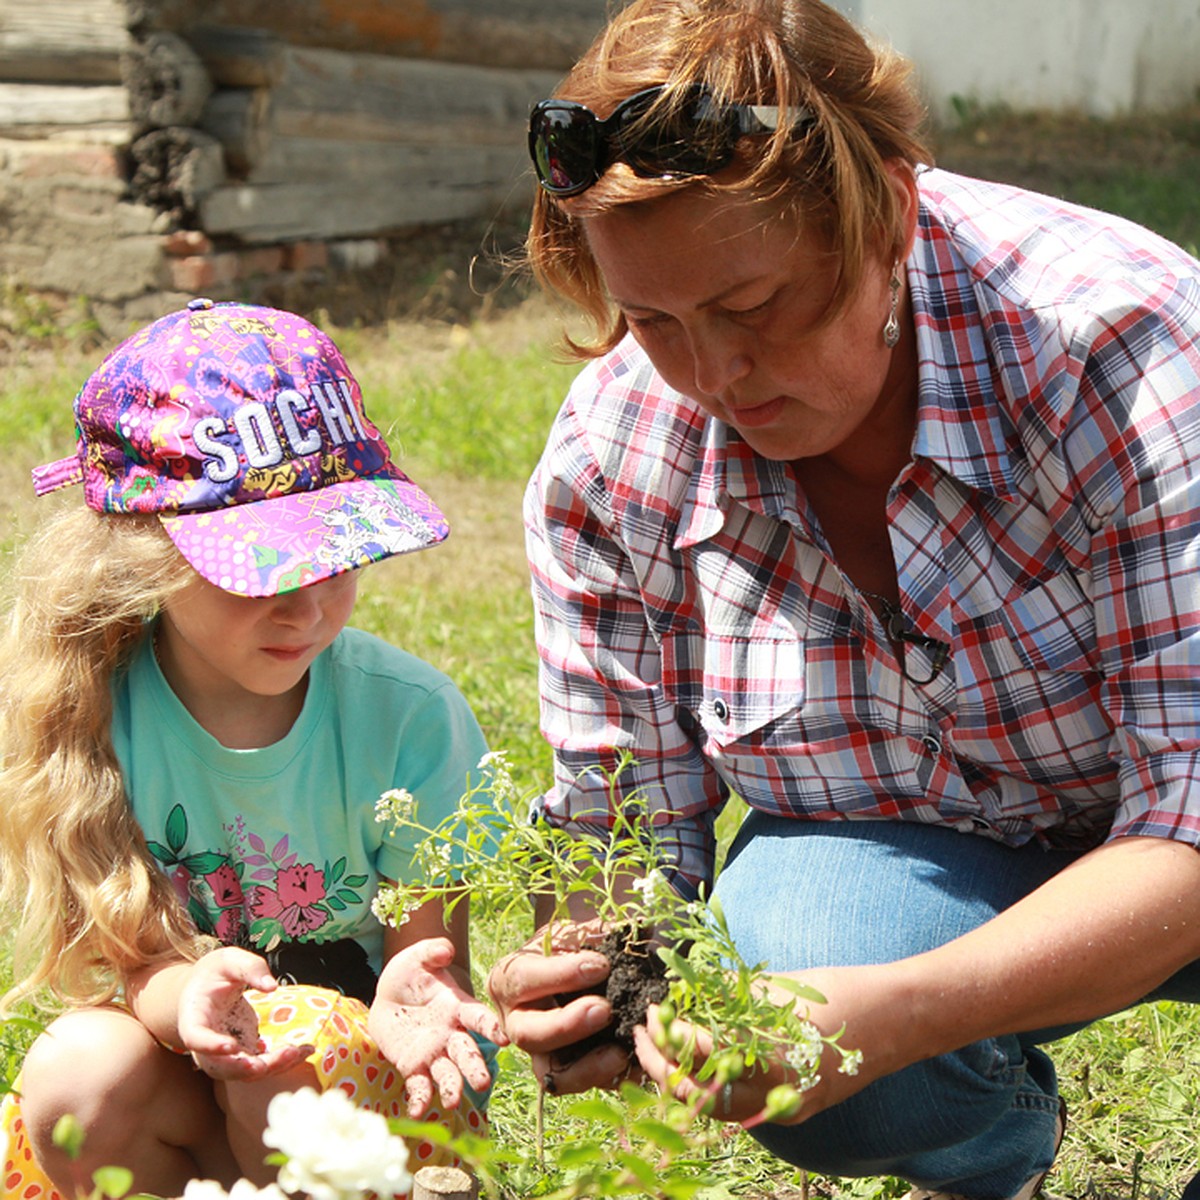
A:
{"x": 727, "y": 297}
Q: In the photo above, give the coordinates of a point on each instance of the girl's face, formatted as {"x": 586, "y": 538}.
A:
{"x": 223, "y": 654}
{"x": 727, "y": 298}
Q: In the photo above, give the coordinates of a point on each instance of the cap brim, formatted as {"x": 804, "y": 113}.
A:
{"x": 287, "y": 542}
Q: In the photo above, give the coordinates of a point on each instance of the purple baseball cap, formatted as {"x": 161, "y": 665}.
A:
{"x": 243, "y": 429}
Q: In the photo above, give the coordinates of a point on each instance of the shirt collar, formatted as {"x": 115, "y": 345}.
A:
{"x": 728, "y": 470}
{"x": 959, "y": 423}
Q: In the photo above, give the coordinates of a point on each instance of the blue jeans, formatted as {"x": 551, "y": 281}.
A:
{"x": 804, "y": 894}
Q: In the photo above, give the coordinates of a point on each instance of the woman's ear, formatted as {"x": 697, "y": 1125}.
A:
{"x": 903, "y": 181}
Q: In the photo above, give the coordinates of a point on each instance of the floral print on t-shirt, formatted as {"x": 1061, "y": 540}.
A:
{"x": 259, "y": 895}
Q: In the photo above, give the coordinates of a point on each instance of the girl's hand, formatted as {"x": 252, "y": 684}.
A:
{"x": 220, "y": 1028}
{"x": 422, "y": 1019}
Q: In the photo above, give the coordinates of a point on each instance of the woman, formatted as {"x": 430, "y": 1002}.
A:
{"x": 876, "y": 506}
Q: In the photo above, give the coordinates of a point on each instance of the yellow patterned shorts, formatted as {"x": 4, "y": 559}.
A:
{"x": 345, "y": 1057}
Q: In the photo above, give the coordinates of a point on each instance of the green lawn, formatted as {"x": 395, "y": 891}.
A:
{"x": 467, "y": 408}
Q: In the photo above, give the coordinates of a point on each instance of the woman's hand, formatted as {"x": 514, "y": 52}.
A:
{"x": 871, "y": 1011}
{"x": 422, "y": 1020}
{"x": 526, "y": 987}
{"x": 219, "y": 1027}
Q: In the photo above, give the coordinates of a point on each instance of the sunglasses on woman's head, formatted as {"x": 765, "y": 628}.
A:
{"x": 571, "y": 147}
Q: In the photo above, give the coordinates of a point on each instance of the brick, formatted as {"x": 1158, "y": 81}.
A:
{"x": 198, "y": 273}
{"x": 87, "y": 162}
{"x": 305, "y": 256}
{"x": 265, "y": 260}
{"x": 183, "y": 243}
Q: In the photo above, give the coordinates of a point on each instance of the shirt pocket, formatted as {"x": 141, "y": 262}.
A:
{"x": 735, "y": 686}
{"x": 1052, "y": 627}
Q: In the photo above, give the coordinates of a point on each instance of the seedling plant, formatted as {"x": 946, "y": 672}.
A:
{"x": 493, "y": 852}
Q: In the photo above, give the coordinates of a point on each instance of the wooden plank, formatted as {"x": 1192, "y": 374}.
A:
{"x": 29, "y": 105}
{"x": 61, "y": 41}
{"x": 547, "y": 34}
{"x": 376, "y": 85}
{"x": 370, "y": 164}
{"x": 346, "y": 99}
{"x": 424, "y": 187}
{"x": 239, "y": 119}
{"x": 238, "y": 58}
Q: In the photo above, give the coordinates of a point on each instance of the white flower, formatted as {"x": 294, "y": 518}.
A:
{"x": 502, "y": 787}
{"x": 851, "y": 1061}
{"x": 243, "y": 1189}
{"x": 334, "y": 1150}
{"x": 396, "y": 804}
{"x": 652, "y": 887}
{"x": 805, "y": 1055}
{"x": 391, "y": 907}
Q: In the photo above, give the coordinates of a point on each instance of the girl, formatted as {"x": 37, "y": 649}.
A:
{"x": 193, "y": 748}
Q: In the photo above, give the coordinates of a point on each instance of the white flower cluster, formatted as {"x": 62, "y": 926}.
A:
{"x": 653, "y": 888}
{"x": 335, "y": 1150}
{"x": 851, "y": 1061}
{"x": 805, "y": 1057}
{"x": 395, "y": 805}
{"x": 389, "y": 908}
{"x": 243, "y": 1189}
{"x": 503, "y": 787}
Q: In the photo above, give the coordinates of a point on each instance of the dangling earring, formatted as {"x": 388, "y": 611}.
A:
{"x": 891, "y": 327}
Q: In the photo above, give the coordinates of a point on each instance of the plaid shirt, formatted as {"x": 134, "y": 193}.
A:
{"x": 1047, "y": 529}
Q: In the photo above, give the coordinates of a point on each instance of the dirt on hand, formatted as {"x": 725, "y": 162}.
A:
{"x": 637, "y": 978}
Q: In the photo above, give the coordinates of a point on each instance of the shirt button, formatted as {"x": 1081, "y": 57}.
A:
{"x": 720, "y": 710}
{"x": 932, "y": 743}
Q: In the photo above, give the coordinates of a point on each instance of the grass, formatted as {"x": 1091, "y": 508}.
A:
{"x": 467, "y": 405}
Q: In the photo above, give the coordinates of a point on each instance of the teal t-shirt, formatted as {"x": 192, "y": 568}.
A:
{"x": 281, "y": 843}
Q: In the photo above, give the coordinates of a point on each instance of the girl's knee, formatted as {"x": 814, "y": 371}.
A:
{"x": 136, "y": 1102}
{"x": 244, "y": 1104}
{"x": 84, "y": 1060}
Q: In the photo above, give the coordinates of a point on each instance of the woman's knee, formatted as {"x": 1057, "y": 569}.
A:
{"x": 943, "y": 1101}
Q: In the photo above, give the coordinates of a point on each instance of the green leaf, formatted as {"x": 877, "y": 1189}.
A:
{"x": 801, "y": 990}
{"x": 177, "y": 828}
{"x": 67, "y": 1135}
{"x": 680, "y": 965}
{"x": 645, "y": 1173}
{"x": 266, "y": 933}
{"x": 430, "y": 1131}
{"x": 597, "y": 1108}
{"x": 662, "y": 1136}
{"x": 113, "y": 1182}
{"x": 204, "y": 863}
{"x": 580, "y": 1154}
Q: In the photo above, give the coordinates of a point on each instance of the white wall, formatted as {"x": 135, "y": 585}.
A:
{"x": 1102, "y": 57}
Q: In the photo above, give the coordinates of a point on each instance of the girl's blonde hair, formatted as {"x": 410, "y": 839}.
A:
{"x": 794, "y": 54}
{"x": 76, "y": 877}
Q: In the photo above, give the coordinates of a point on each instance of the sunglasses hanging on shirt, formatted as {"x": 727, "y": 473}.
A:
{"x": 901, "y": 635}
{"x": 658, "y": 136}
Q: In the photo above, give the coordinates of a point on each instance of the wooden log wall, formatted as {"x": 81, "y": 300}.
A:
{"x": 338, "y": 142}
{"x": 134, "y": 132}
